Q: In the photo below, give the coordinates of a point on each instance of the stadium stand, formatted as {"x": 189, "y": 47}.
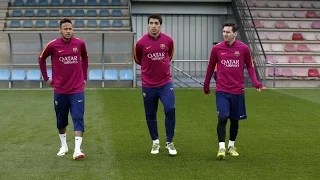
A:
{"x": 28, "y": 15}
{"x": 289, "y": 34}
{"x": 105, "y": 26}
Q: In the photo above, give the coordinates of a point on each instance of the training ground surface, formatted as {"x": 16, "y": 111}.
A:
{"x": 280, "y": 139}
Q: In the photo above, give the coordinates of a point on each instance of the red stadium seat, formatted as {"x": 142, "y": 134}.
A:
{"x": 311, "y": 14}
{"x": 297, "y": 37}
{"x": 290, "y": 48}
{"x": 313, "y": 72}
{"x": 307, "y": 59}
{"x": 294, "y": 59}
{"x": 302, "y": 48}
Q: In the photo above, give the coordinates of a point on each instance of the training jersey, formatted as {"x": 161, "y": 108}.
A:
{"x": 69, "y": 62}
{"x": 154, "y": 56}
{"x": 230, "y": 61}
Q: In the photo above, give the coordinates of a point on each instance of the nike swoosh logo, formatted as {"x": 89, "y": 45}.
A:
{"x": 60, "y": 51}
{"x": 223, "y": 53}
{"x": 80, "y": 101}
{"x": 148, "y": 47}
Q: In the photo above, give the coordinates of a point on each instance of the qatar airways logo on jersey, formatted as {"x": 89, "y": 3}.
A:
{"x": 69, "y": 59}
{"x": 156, "y": 56}
{"x": 230, "y": 63}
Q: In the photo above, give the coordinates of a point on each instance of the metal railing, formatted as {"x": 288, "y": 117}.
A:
{"x": 109, "y": 50}
{"x": 249, "y": 35}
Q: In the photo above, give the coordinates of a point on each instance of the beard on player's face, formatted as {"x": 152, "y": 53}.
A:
{"x": 66, "y": 36}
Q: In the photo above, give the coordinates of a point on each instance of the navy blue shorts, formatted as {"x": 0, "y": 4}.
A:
{"x": 63, "y": 103}
{"x": 231, "y": 106}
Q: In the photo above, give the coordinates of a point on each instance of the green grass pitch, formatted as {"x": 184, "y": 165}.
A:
{"x": 280, "y": 139}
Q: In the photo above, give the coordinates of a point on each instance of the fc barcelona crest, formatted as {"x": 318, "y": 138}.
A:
{"x": 162, "y": 46}
{"x": 237, "y": 53}
{"x": 75, "y": 50}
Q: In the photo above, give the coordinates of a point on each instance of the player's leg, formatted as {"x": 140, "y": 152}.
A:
{"x": 223, "y": 108}
{"x": 77, "y": 102}
{"x": 61, "y": 107}
{"x": 150, "y": 101}
{"x": 238, "y": 112}
{"x": 167, "y": 98}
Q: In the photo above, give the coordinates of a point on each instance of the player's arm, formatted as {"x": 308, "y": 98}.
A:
{"x": 46, "y": 52}
{"x": 251, "y": 70}
{"x": 137, "y": 53}
{"x": 210, "y": 70}
{"x": 171, "y": 49}
{"x": 84, "y": 56}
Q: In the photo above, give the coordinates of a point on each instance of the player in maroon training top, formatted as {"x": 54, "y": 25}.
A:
{"x": 153, "y": 52}
{"x": 230, "y": 58}
{"x": 69, "y": 61}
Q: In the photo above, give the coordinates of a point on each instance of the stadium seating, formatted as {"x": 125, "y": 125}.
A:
{"x": 18, "y": 75}
{"x": 289, "y": 33}
{"x": 45, "y": 15}
{"x": 110, "y": 20}
{"x": 33, "y": 75}
{"x": 4, "y": 74}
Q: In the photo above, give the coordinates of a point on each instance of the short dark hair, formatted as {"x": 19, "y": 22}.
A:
{"x": 155, "y": 16}
{"x": 233, "y": 25}
{"x": 65, "y": 20}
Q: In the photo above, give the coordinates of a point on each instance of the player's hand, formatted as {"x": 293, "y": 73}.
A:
{"x": 49, "y": 82}
{"x": 206, "y": 90}
{"x": 257, "y": 85}
{"x": 260, "y": 89}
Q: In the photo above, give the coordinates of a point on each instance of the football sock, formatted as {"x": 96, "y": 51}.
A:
{"x": 78, "y": 141}
{"x": 231, "y": 144}
{"x": 63, "y": 139}
{"x": 222, "y": 145}
{"x": 156, "y": 141}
